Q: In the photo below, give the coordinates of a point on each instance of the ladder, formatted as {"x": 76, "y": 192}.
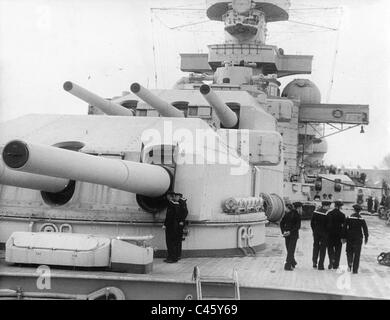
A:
{"x": 200, "y": 281}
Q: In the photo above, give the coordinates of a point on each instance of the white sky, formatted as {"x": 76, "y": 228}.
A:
{"x": 106, "y": 45}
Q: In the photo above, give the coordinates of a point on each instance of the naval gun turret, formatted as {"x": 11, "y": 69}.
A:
{"x": 120, "y": 177}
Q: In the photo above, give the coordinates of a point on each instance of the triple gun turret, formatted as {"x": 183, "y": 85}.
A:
{"x": 227, "y": 117}
{"x": 50, "y": 169}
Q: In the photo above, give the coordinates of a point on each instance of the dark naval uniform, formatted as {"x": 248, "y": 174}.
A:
{"x": 370, "y": 203}
{"x": 182, "y": 216}
{"x": 172, "y": 231}
{"x": 336, "y": 225}
{"x": 354, "y": 229}
{"x": 320, "y": 226}
{"x": 291, "y": 222}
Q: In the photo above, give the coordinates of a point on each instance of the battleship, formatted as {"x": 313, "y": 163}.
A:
{"x": 83, "y": 197}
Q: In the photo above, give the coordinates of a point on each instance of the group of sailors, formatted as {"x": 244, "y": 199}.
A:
{"x": 373, "y": 204}
{"x": 331, "y": 229}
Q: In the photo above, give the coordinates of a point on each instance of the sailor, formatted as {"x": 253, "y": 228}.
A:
{"x": 171, "y": 226}
{"x": 290, "y": 225}
{"x": 370, "y": 203}
{"x": 387, "y": 202}
{"x": 354, "y": 229}
{"x": 336, "y": 225}
{"x": 376, "y": 204}
{"x": 360, "y": 197}
{"x": 382, "y": 203}
{"x": 320, "y": 226}
{"x": 182, "y": 216}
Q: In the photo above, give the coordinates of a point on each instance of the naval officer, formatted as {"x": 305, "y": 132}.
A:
{"x": 320, "y": 227}
{"x": 354, "y": 229}
{"x": 182, "y": 216}
{"x": 172, "y": 230}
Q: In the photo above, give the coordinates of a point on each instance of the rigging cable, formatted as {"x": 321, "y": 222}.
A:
{"x": 154, "y": 49}
{"x": 335, "y": 58}
{"x": 312, "y": 25}
{"x": 329, "y": 93}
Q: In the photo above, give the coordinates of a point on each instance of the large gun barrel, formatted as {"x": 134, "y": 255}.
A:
{"x": 108, "y": 107}
{"x": 14, "y": 178}
{"x": 140, "y": 178}
{"x": 163, "y": 107}
{"x": 227, "y": 117}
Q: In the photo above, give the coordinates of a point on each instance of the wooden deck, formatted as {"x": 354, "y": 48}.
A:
{"x": 256, "y": 274}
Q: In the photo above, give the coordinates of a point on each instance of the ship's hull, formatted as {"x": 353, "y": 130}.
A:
{"x": 116, "y": 287}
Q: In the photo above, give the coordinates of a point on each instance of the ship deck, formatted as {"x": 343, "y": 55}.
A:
{"x": 260, "y": 277}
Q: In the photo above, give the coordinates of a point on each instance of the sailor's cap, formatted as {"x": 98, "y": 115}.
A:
{"x": 357, "y": 207}
{"x": 298, "y": 205}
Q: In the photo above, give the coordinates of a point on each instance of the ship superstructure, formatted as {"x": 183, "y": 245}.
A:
{"x": 245, "y": 62}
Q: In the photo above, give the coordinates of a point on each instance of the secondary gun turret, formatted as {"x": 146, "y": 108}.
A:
{"x": 140, "y": 178}
{"x": 163, "y": 107}
{"x": 227, "y": 117}
{"x": 108, "y": 107}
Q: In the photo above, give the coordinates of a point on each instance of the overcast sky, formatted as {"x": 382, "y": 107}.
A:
{"x": 106, "y": 45}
